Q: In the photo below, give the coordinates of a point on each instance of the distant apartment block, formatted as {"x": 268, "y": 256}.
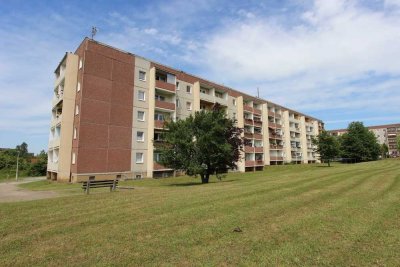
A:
{"x": 385, "y": 134}
{"x": 109, "y": 109}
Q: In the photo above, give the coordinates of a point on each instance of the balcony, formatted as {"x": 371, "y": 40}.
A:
{"x": 276, "y": 158}
{"x": 165, "y": 86}
{"x": 159, "y": 124}
{"x": 158, "y": 167}
{"x": 207, "y": 97}
{"x": 249, "y": 163}
{"x": 258, "y": 123}
{"x": 247, "y": 108}
{"x": 248, "y": 135}
{"x": 258, "y": 149}
{"x": 248, "y": 121}
{"x": 276, "y": 147}
{"x": 273, "y": 135}
{"x": 249, "y": 149}
{"x": 257, "y": 136}
{"x": 257, "y": 111}
{"x": 165, "y": 105}
{"x": 259, "y": 162}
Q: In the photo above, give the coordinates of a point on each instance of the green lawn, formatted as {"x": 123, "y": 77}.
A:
{"x": 346, "y": 215}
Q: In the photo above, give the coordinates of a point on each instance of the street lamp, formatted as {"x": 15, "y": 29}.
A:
{"x": 16, "y": 171}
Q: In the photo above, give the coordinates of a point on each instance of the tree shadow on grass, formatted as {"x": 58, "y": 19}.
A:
{"x": 199, "y": 183}
{"x": 324, "y": 166}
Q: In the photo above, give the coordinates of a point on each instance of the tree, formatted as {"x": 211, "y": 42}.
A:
{"x": 40, "y": 166}
{"x": 23, "y": 149}
{"x": 398, "y": 143}
{"x": 327, "y": 146}
{"x": 384, "y": 150}
{"x": 359, "y": 143}
{"x": 204, "y": 144}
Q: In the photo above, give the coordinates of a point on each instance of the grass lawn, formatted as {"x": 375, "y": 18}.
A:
{"x": 346, "y": 215}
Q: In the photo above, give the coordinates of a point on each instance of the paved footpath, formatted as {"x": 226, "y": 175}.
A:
{"x": 10, "y": 192}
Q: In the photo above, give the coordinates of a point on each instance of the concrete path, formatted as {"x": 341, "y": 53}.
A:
{"x": 10, "y": 192}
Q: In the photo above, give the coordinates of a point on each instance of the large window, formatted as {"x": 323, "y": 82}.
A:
{"x": 189, "y": 105}
{"x": 159, "y": 97}
{"x": 188, "y": 89}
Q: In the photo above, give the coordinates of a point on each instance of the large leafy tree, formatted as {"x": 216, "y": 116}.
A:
{"x": 326, "y": 146}
{"x": 359, "y": 143}
{"x": 384, "y": 150}
{"x": 204, "y": 144}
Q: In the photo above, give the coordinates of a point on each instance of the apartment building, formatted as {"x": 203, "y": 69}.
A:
{"x": 109, "y": 109}
{"x": 385, "y": 134}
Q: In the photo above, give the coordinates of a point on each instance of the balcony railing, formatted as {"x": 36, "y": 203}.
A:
{"x": 276, "y": 158}
{"x": 275, "y": 146}
{"x": 248, "y": 121}
{"x": 259, "y": 162}
{"x": 275, "y": 136}
{"x": 249, "y": 149}
{"x": 258, "y": 149}
{"x": 165, "y": 86}
{"x": 258, "y": 123}
{"x": 248, "y": 135}
{"x": 257, "y": 136}
{"x": 247, "y": 108}
{"x": 256, "y": 111}
{"x": 165, "y": 105}
{"x": 158, "y": 167}
{"x": 159, "y": 124}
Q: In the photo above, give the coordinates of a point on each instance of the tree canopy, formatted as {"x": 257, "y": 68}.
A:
{"x": 359, "y": 143}
{"x": 204, "y": 144}
{"x": 327, "y": 146}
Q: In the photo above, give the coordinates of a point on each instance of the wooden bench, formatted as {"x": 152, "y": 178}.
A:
{"x": 112, "y": 184}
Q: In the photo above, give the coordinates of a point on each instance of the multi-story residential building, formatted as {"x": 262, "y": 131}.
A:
{"x": 385, "y": 134}
{"x": 109, "y": 109}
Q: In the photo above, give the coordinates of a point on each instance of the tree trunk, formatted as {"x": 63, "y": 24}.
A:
{"x": 205, "y": 178}
{"x": 329, "y": 163}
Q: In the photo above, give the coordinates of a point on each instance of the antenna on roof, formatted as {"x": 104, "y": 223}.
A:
{"x": 94, "y": 31}
{"x": 258, "y": 93}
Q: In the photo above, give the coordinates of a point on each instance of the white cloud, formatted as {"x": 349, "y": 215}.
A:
{"x": 330, "y": 59}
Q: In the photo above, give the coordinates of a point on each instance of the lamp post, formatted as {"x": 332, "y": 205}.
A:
{"x": 16, "y": 171}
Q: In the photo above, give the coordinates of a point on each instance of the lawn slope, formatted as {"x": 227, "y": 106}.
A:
{"x": 289, "y": 215}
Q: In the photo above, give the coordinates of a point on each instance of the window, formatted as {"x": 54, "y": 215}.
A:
{"x": 188, "y": 89}
{"x": 219, "y": 94}
{"x": 73, "y": 158}
{"x": 157, "y": 157}
{"x": 78, "y": 87}
{"x": 177, "y": 86}
{"x": 234, "y": 102}
{"x": 141, "y": 95}
{"x": 76, "y": 110}
{"x": 157, "y": 137}
{"x": 189, "y": 105}
{"x": 159, "y": 117}
{"x": 140, "y": 115}
{"x": 80, "y": 64}
{"x": 139, "y": 157}
{"x": 142, "y": 75}
{"x": 140, "y": 136}
{"x": 75, "y": 133}
{"x": 161, "y": 77}
{"x": 178, "y": 104}
{"x": 159, "y": 97}
{"x": 204, "y": 91}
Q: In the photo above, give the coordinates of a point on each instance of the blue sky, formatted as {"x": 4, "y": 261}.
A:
{"x": 336, "y": 60}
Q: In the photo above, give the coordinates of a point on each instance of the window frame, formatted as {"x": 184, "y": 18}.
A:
{"x": 144, "y": 115}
